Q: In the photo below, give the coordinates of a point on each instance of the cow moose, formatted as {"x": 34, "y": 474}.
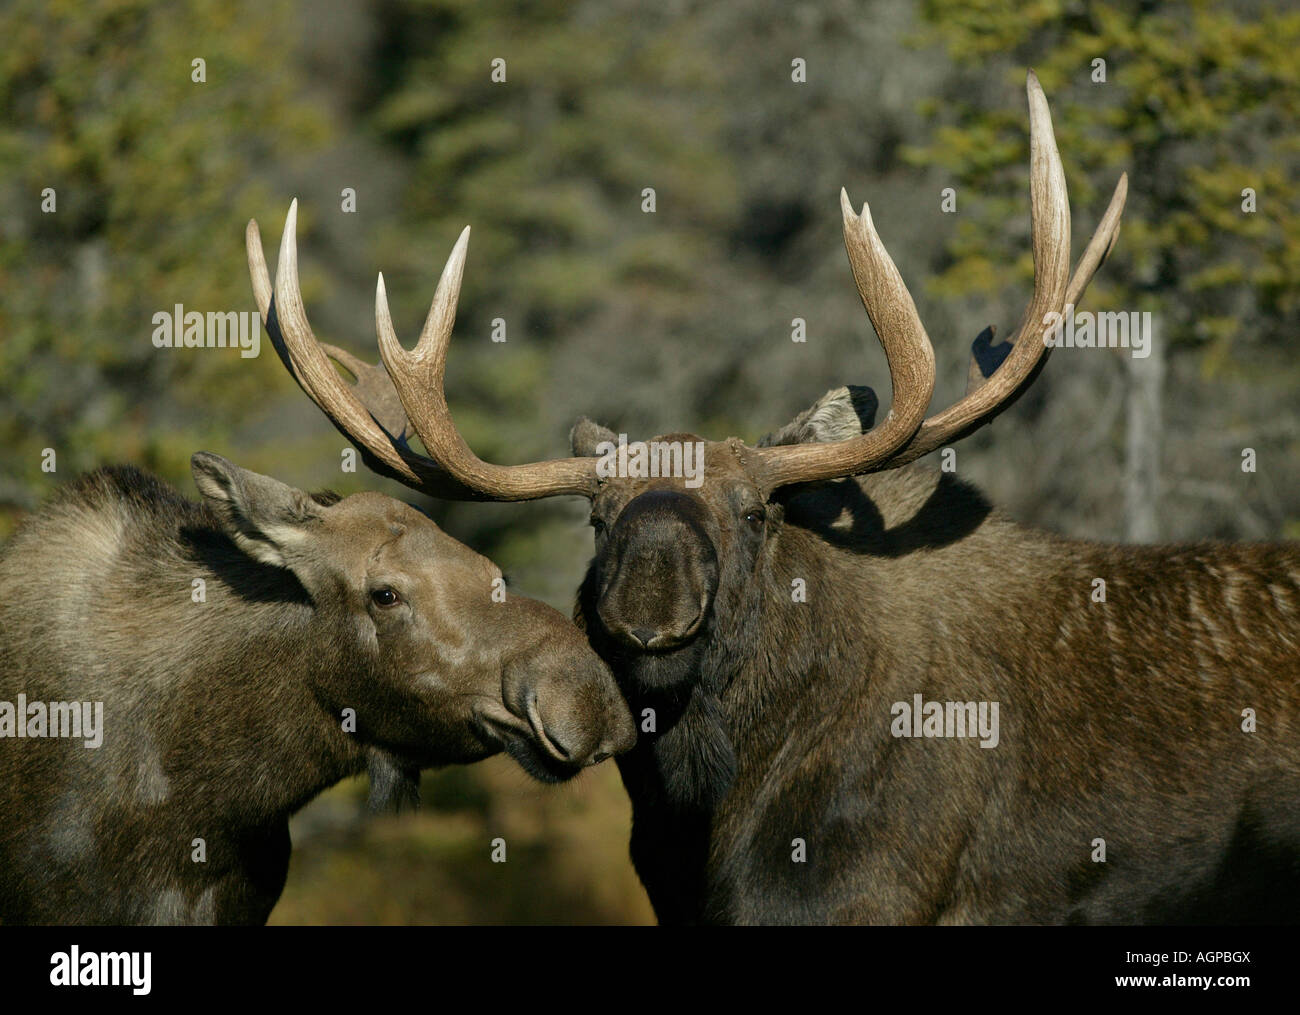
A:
{"x": 219, "y": 664}
{"x": 809, "y": 758}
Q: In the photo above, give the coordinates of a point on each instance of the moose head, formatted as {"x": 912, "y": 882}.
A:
{"x": 409, "y": 623}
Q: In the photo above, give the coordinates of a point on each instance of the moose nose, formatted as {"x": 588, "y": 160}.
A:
{"x": 572, "y": 743}
{"x": 654, "y": 639}
{"x": 564, "y": 709}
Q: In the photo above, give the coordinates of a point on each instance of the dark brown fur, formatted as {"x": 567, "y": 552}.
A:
{"x": 1120, "y": 720}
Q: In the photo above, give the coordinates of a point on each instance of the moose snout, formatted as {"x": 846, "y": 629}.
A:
{"x": 657, "y": 573}
{"x": 564, "y": 733}
{"x": 568, "y": 701}
{"x": 648, "y": 614}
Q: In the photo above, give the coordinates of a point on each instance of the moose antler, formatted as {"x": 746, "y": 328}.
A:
{"x": 989, "y": 394}
{"x": 902, "y": 438}
{"x": 410, "y": 390}
{"x": 374, "y": 412}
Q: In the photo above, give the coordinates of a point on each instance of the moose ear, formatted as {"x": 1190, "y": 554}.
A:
{"x": 266, "y": 519}
{"x": 836, "y": 416}
{"x": 586, "y": 435}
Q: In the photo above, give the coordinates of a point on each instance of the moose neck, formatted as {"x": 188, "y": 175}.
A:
{"x": 721, "y": 725}
{"x": 256, "y": 739}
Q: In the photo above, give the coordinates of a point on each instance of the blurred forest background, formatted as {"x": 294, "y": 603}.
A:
{"x": 647, "y": 322}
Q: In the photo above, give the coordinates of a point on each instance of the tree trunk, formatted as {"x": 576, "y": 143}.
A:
{"x": 1143, "y": 440}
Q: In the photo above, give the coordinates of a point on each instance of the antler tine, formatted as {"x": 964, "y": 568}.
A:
{"x": 1094, "y": 255}
{"x": 1010, "y": 367}
{"x": 263, "y": 294}
{"x": 285, "y": 319}
{"x": 907, "y": 351}
{"x": 310, "y": 365}
{"x": 375, "y": 391}
{"x": 1050, "y": 215}
{"x": 1101, "y": 244}
{"x": 418, "y": 376}
{"x": 1099, "y": 247}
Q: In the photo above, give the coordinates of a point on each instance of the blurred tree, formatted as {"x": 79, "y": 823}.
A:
{"x": 1198, "y": 100}
{"x": 543, "y": 125}
{"x": 99, "y": 103}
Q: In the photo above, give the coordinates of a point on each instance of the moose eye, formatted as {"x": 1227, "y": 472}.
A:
{"x": 755, "y": 519}
{"x": 597, "y": 526}
{"x": 385, "y": 596}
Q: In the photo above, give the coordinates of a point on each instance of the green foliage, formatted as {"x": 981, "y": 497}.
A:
{"x": 548, "y": 166}
{"x": 1200, "y": 102}
{"x": 99, "y": 104}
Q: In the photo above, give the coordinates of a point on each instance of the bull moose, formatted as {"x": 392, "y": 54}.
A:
{"x": 1144, "y": 765}
{"x": 184, "y": 676}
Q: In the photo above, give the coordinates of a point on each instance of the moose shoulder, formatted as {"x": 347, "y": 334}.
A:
{"x": 218, "y": 645}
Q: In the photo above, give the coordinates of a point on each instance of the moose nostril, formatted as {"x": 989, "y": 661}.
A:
{"x": 560, "y": 743}
{"x": 644, "y": 635}
{"x": 561, "y": 748}
{"x": 548, "y": 736}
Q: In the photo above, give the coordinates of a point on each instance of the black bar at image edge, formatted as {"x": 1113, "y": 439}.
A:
{"x": 1228, "y": 965}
